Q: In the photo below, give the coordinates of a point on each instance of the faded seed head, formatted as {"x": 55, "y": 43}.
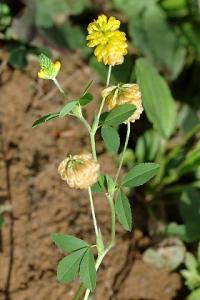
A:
{"x": 79, "y": 171}
{"x": 122, "y": 94}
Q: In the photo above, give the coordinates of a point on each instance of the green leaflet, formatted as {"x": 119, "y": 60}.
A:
{"x": 5, "y": 14}
{"x": 191, "y": 262}
{"x": 88, "y": 271}
{"x": 47, "y": 11}
{"x": 140, "y": 174}
{"x": 152, "y": 34}
{"x": 80, "y": 261}
{"x": 68, "y": 267}
{"x": 123, "y": 210}
{"x": 111, "y": 138}
{"x": 133, "y": 6}
{"x": 86, "y": 99}
{"x": 1, "y": 220}
{"x": 45, "y": 119}
{"x": 177, "y": 230}
{"x": 101, "y": 185}
{"x": 189, "y": 207}
{"x": 170, "y": 55}
{"x": 68, "y": 243}
{"x": 157, "y": 99}
{"x": 195, "y": 295}
{"x": 119, "y": 114}
{"x": 67, "y": 108}
{"x": 148, "y": 146}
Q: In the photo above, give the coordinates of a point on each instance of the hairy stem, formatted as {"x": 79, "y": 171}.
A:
{"x": 97, "y": 265}
{"x": 93, "y": 212}
{"x": 96, "y": 122}
{"x": 111, "y": 244}
{"x": 93, "y": 145}
{"x": 85, "y": 122}
{"x": 92, "y": 134}
{"x": 109, "y": 75}
{"x": 59, "y": 87}
{"x": 113, "y": 221}
{"x": 103, "y": 100}
{"x": 124, "y": 150}
{"x": 79, "y": 292}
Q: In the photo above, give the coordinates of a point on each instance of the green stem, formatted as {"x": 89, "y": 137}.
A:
{"x": 110, "y": 197}
{"x": 113, "y": 221}
{"x": 96, "y": 121}
{"x": 92, "y": 133}
{"x": 101, "y": 257}
{"x": 93, "y": 145}
{"x": 92, "y": 140}
{"x": 84, "y": 121}
{"x": 109, "y": 75}
{"x": 59, "y": 87}
{"x": 97, "y": 265}
{"x": 112, "y": 207}
{"x": 103, "y": 100}
{"x": 79, "y": 292}
{"x": 93, "y": 212}
{"x": 124, "y": 150}
{"x": 112, "y": 240}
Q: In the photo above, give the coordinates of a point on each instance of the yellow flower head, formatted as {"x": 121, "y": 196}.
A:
{"x": 49, "y": 70}
{"x": 110, "y": 43}
{"x": 122, "y": 94}
{"x": 79, "y": 171}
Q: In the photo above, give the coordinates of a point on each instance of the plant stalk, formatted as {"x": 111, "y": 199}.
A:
{"x": 79, "y": 292}
{"x": 93, "y": 212}
{"x": 97, "y": 265}
{"x": 109, "y": 75}
{"x": 96, "y": 122}
{"x": 59, "y": 87}
{"x": 113, "y": 221}
{"x": 124, "y": 150}
{"x": 93, "y": 146}
{"x": 92, "y": 133}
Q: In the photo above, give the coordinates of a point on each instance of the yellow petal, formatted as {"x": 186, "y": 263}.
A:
{"x": 111, "y": 44}
{"x": 41, "y": 74}
{"x": 57, "y": 66}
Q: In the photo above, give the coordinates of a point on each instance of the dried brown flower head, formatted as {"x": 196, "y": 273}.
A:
{"x": 122, "y": 94}
{"x": 79, "y": 171}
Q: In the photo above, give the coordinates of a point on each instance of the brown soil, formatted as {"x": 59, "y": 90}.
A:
{"x": 42, "y": 203}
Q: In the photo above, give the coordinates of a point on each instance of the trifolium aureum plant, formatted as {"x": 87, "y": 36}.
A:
{"x": 121, "y": 103}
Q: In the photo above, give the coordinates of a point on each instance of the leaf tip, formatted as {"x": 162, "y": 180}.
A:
{"x": 53, "y": 236}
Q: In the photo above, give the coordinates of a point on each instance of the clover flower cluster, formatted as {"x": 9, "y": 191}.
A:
{"x": 124, "y": 94}
{"x": 110, "y": 43}
{"x": 81, "y": 171}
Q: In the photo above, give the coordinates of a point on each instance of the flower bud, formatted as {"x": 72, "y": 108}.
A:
{"x": 122, "y": 94}
{"x": 49, "y": 70}
{"x": 79, "y": 171}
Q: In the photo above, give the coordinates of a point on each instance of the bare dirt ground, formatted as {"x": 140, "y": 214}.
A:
{"x": 42, "y": 203}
